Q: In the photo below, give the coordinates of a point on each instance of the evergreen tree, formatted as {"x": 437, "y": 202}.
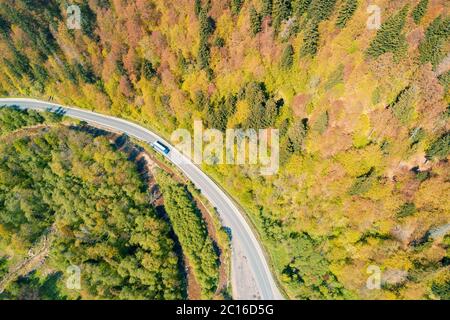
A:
{"x": 197, "y": 7}
{"x": 266, "y": 8}
{"x": 390, "y": 37}
{"x": 191, "y": 231}
{"x": 255, "y": 21}
{"x": 321, "y": 123}
{"x": 236, "y": 6}
{"x": 299, "y": 7}
{"x": 431, "y": 49}
{"x": 69, "y": 189}
{"x": 287, "y": 58}
{"x": 440, "y": 148}
{"x": 201, "y": 100}
{"x": 205, "y": 30}
{"x": 203, "y": 54}
{"x": 182, "y": 63}
{"x": 147, "y": 69}
{"x": 206, "y": 24}
{"x": 311, "y": 40}
{"x": 296, "y": 136}
{"x": 320, "y": 10}
{"x": 346, "y": 13}
{"x": 419, "y": 11}
{"x": 281, "y": 10}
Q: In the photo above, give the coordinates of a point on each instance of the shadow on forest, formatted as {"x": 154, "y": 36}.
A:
{"x": 123, "y": 143}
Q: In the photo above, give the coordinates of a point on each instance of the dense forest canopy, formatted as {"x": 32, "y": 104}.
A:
{"x": 87, "y": 201}
{"x": 363, "y": 115}
{"x": 192, "y": 233}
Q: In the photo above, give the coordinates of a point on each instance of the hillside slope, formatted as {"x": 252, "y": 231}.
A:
{"x": 363, "y": 117}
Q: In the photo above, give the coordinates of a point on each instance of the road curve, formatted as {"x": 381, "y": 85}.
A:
{"x": 250, "y": 273}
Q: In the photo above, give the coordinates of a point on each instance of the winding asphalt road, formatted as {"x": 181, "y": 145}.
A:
{"x": 251, "y": 276}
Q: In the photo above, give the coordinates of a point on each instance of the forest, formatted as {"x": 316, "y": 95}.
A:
{"x": 363, "y": 116}
{"x": 192, "y": 233}
{"x": 70, "y": 199}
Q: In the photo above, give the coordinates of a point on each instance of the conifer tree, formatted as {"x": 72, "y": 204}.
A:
{"x": 236, "y": 6}
{"x": 311, "y": 40}
{"x": 419, "y": 11}
{"x": 431, "y": 49}
{"x": 266, "y": 8}
{"x": 255, "y": 21}
{"x": 281, "y": 9}
{"x": 346, "y": 13}
{"x": 287, "y": 58}
{"x": 390, "y": 37}
{"x": 197, "y": 7}
{"x": 299, "y": 7}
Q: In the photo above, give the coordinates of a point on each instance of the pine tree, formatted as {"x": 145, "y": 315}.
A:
{"x": 197, "y": 7}
{"x": 255, "y": 21}
{"x": 320, "y": 10}
{"x": 206, "y": 29}
{"x": 440, "y": 148}
{"x": 346, "y": 13}
{"x": 432, "y": 47}
{"x": 206, "y": 24}
{"x": 419, "y": 11}
{"x": 299, "y": 7}
{"x": 266, "y": 8}
{"x": 147, "y": 69}
{"x": 390, "y": 37}
{"x": 281, "y": 9}
{"x": 321, "y": 123}
{"x": 203, "y": 54}
{"x": 287, "y": 58}
{"x": 311, "y": 40}
{"x": 236, "y": 6}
